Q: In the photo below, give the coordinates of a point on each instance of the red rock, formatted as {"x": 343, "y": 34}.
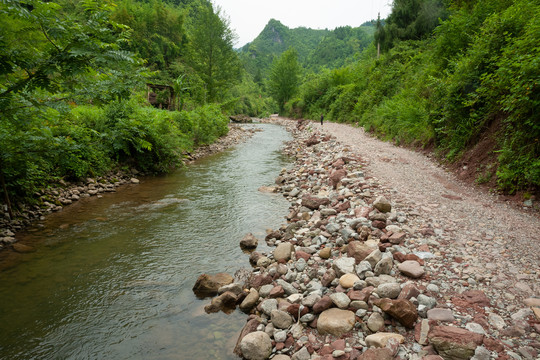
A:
{"x": 323, "y": 304}
{"x": 409, "y": 291}
{"x": 259, "y": 280}
{"x": 361, "y": 295}
{"x": 326, "y": 350}
{"x": 293, "y": 311}
{"x": 250, "y": 327}
{"x": 424, "y": 248}
{"x": 383, "y": 247}
{"x": 280, "y": 346}
{"x": 302, "y": 254}
{"x": 338, "y": 163}
{"x": 336, "y": 176}
{"x": 402, "y": 257}
{"x": 289, "y": 342}
{"x": 328, "y": 277}
{"x": 476, "y": 297}
{"x": 313, "y": 202}
{"x": 358, "y": 250}
{"x": 338, "y": 344}
{"x": 362, "y": 211}
{"x": 276, "y": 292}
{"x": 453, "y": 342}
{"x": 401, "y": 309}
{"x": 313, "y": 140}
{"x": 493, "y": 345}
{"x": 379, "y": 224}
{"x": 377, "y": 354}
{"x": 397, "y": 238}
{"x": 343, "y": 206}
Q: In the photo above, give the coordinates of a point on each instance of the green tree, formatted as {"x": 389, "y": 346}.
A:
{"x": 212, "y": 53}
{"x": 284, "y": 77}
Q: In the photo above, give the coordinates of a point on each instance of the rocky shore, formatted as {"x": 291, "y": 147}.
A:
{"x": 58, "y": 196}
{"x": 357, "y": 273}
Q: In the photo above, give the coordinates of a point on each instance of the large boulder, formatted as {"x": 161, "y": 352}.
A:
{"x": 402, "y": 310}
{"x": 335, "y": 322}
{"x": 208, "y": 285}
{"x": 453, "y": 342}
{"x": 256, "y": 346}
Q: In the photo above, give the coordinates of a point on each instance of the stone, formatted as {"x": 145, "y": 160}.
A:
{"x": 375, "y": 322}
{"x": 256, "y": 346}
{"x": 250, "y": 300}
{"x": 532, "y": 302}
{"x": 374, "y": 257}
{"x": 344, "y": 265}
{"x": 376, "y": 354}
{"x": 208, "y": 285}
{"x": 475, "y": 328}
{"x": 409, "y": 291}
{"x": 384, "y": 266}
{"x": 380, "y": 340}
{"x": 22, "y": 248}
{"x": 288, "y": 288}
{"x": 335, "y": 322}
{"x": 249, "y": 242}
{"x": 336, "y": 176}
{"x": 411, "y": 269}
{"x": 496, "y": 321}
{"x": 476, "y": 297}
{"x": 402, "y": 310}
{"x": 382, "y": 204}
{"x": 347, "y": 281}
{"x": 269, "y": 305}
{"x": 302, "y": 354}
{"x": 388, "y": 290}
{"x": 314, "y": 202}
{"x": 234, "y": 288}
{"x": 281, "y": 319}
{"x": 438, "y": 314}
{"x": 341, "y": 300}
{"x": 397, "y": 238}
{"x": 325, "y": 253}
{"x": 283, "y": 251}
{"x": 323, "y": 304}
{"x": 251, "y": 326}
{"x": 358, "y": 250}
{"x": 281, "y": 357}
{"x": 453, "y": 342}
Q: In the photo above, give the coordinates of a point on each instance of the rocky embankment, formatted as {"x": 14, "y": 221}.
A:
{"x": 57, "y": 196}
{"x": 357, "y": 275}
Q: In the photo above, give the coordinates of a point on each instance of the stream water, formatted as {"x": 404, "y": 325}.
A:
{"x": 111, "y": 278}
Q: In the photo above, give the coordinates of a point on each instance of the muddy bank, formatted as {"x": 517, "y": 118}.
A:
{"x": 62, "y": 194}
{"x": 357, "y": 273}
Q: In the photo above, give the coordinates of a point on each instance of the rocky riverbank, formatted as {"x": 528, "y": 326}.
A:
{"x": 57, "y": 196}
{"x": 357, "y": 273}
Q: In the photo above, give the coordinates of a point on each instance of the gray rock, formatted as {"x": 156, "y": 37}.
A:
{"x": 280, "y": 335}
{"x": 474, "y": 327}
{"x": 384, "y": 266}
{"x": 310, "y": 300}
{"x": 300, "y": 264}
{"x": 288, "y": 288}
{"x": 382, "y": 204}
{"x": 481, "y": 353}
{"x": 341, "y": 300}
{"x": 427, "y": 301}
{"x": 362, "y": 268}
{"x": 332, "y": 228}
{"x": 388, "y": 290}
{"x": 302, "y": 354}
{"x": 281, "y": 319}
{"x": 256, "y": 346}
{"x": 268, "y": 305}
{"x": 264, "y": 291}
{"x": 496, "y": 321}
{"x": 375, "y": 322}
{"x": 307, "y": 318}
{"x": 374, "y": 257}
{"x": 344, "y": 265}
{"x": 439, "y": 314}
{"x": 283, "y": 251}
{"x": 411, "y": 269}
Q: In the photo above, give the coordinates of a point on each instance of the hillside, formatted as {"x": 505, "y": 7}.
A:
{"x": 315, "y": 48}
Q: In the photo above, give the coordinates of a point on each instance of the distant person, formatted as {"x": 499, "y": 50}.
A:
{"x": 322, "y": 118}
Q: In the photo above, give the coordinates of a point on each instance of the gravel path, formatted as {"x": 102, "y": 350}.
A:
{"x": 496, "y": 239}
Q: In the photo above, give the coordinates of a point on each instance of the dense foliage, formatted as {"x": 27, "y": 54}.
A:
{"x": 72, "y": 87}
{"x": 476, "y": 73}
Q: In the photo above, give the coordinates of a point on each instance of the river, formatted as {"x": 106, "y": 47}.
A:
{"x": 111, "y": 278}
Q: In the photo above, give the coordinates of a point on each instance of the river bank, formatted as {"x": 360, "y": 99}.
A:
{"x": 57, "y": 196}
{"x": 359, "y": 272}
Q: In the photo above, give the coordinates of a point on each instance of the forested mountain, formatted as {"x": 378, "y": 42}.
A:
{"x": 315, "y": 48}
{"x": 460, "y": 76}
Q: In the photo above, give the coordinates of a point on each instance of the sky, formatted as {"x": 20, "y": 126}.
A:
{"x": 249, "y": 17}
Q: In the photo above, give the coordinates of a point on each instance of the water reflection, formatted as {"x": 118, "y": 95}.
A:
{"x": 112, "y": 277}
